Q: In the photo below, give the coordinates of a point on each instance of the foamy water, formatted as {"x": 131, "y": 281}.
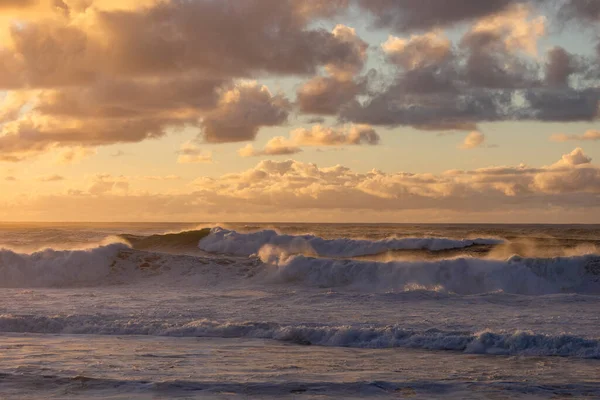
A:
{"x": 287, "y": 311}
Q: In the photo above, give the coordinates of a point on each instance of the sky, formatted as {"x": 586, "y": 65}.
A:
{"x": 300, "y": 110}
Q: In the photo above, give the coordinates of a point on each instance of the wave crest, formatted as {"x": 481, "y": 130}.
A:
{"x": 227, "y": 241}
{"x": 463, "y": 276}
{"x": 50, "y": 267}
{"x": 359, "y": 336}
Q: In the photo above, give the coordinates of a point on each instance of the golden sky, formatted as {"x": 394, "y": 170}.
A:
{"x": 300, "y": 110}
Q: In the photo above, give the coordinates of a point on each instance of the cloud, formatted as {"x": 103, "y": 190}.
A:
{"x": 107, "y": 112}
{"x": 404, "y": 16}
{"x": 326, "y": 95}
{"x": 274, "y": 189}
{"x": 292, "y": 184}
{"x": 419, "y": 51}
{"x": 51, "y": 178}
{"x": 356, "y": 54}
{"x": 316, "y": 136}
{"x": 559, "y": 67}
{"x": 473, "y": 140}
{"x": 277, "y": 146}
{"x": 176, "y": 37}
{"x": 108, "y": 72}
{"x": 190, "y": 153}
{"x": 493, "y": 73}
{"x": 242, "y": 111}
{"x": 320, "y": 135}
{"x": 590, "y": 135}
{"x": 574, "y": 158}
{"x": 580, "y": 10}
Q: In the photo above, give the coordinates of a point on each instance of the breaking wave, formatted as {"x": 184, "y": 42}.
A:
{"x": 169, "y": 242}
{"x": 461, "y": 276}
{"x": 120, "y": 264}
{"x": 48, "y": 268}
{"x": 225, "y": 241}
{"x": 373, "y": 337}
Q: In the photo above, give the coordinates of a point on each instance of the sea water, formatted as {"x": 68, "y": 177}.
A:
{"x": 136, "y": 311}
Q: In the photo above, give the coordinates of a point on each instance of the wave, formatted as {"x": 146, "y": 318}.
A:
{"x": 119, "y": 264}
{"x": 373, "y": 337}
{"x": 48, "y": 268}
{"x": 225, "y": 241}
{"x": 116, "y": 263}
{"x": 169, "y": 242}
{"x": 463, "y": 276}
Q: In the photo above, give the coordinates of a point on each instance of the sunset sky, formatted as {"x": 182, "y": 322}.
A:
{"x": 300, "y": 110}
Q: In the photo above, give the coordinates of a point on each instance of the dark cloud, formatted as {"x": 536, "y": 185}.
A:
{"x": 326, "y": 95}
{"x": 404, "y": 16}
{"x": 492, "y": 74}
{"x": 242, "y": 111}
{"x": 562, "y": 104}
{"x": 559, "y": 67}
{"x": 580, "y": 10}
{"x": 490, "y": 63}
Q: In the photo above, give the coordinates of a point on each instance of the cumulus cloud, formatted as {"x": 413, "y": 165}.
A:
{"x": 190, "y": 153}
{"x": 316, "y": 136}
{"x": 493, "y": 73}
{"x": 82, "y": 73}
{"x": 277, "y": 146}
{"x": 590, "y": 135}
{"x": 303, "y": 185}
{"x": 473, "y": 140}
{"x": 271, "y": 189}
{"x": 574, "y": 158}
{"x": 242, "y": 111}
{"x": 327, "y": 95}
{"x": 419, "y": 51}
{"x": 114, "y": 72}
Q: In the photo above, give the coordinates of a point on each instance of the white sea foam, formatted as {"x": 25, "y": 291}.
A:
{"x": 462, "y": 275}
{"x": 360, "y": 336}
{"x": 116, "y": 263}
{"x": 50, "y": 267}
{"x": 228, "y": 241}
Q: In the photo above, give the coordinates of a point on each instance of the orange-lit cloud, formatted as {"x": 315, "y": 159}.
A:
{"x": 317, "y": 136}
{"x": 591, "y": 135}
{"x": 473, "y": 140}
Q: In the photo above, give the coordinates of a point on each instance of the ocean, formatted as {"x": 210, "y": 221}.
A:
{"x": 307, "y": 311}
